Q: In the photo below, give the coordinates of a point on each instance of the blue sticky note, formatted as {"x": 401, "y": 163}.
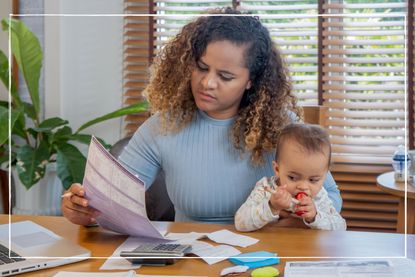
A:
{"x": 255, "y": 259}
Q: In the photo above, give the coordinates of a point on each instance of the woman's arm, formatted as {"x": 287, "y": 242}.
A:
{"x": 333, "y": 192}
{"x": 142, "y": 155}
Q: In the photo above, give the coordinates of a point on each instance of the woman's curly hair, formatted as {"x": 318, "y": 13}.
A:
{"x": 264, "y": 108}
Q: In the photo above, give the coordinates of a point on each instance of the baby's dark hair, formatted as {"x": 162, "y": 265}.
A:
{"x": 312, "y": 138}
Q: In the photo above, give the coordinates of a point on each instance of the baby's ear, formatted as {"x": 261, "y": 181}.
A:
{"x": 276, "y": 168}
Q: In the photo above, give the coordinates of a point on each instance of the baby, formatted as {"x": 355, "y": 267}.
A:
{"x": 301, "y": 165}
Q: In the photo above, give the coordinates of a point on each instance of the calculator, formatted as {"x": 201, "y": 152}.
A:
{"x": 156, "y": 253}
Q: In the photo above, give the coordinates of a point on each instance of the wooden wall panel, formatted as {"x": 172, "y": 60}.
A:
{"x": 365, "y": 207}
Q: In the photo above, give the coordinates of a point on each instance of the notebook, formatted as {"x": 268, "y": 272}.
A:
{"x": 35, "y": 247}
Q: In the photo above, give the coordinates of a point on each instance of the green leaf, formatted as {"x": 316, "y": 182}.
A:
{"x": 50, "y": 124}
{"x": 31, "y": 163}
{"x": 4, "y": 76}
{"x": 136, "y": 108}
{"x": 70, "y": 164}
{"x": 4, "y": 158}
{"x": 86, "y": 139}
{"x": 63, "y": 133}
{"x": 20, "y": 124}
{"x": 4, "y": 123}
{"x": 28, "y": 53}
{"x": 32, "y": 132}
{"x": 29, "y": 110}
{"x": 4, "y": 155}
{"x": 4, "y": 69}
{"x": 82, "y": 138}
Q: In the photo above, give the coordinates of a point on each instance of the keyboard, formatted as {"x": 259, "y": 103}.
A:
{"x": 4, "y": 256}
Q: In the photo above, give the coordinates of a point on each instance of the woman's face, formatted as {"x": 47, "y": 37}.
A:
{"x": 219, "y": 79}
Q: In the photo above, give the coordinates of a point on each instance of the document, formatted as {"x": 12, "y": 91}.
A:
{"x": 349, "y": 268}
{"x": 117, "y": 194}
{"x": 228, "y": 237}
{"x": 185, "y": 238}
{"x": 213, "y": 254}
{"x": 130, "y": 273}
{"x": 404, "y": 267}
{"x": 95, "y": 274}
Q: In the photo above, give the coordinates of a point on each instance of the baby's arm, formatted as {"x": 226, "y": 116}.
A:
{"x": 255, "y": 212}
{"x": 327, "y": 218}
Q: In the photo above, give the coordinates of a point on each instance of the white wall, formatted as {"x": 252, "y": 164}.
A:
{"x": 83, "y": 63}
{"x": 5, "y": 10}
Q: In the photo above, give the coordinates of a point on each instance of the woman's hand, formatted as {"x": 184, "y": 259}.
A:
{"x": 75, "y": 207}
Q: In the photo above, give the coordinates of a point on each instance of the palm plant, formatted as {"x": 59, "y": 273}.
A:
{"x": 33, "y": 143}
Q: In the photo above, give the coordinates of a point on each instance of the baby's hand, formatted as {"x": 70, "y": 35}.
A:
{"x": 280, "y": 199}
{"x": 306, "y": 208}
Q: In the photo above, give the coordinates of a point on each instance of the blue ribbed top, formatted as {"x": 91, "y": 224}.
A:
{"x": 206, "y": 178}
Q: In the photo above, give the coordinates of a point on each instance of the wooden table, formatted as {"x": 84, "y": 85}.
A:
{"x": 298, "y": 244}
{"x": 386, "y": 182}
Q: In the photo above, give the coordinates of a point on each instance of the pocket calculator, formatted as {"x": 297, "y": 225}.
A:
{"x": 156, "y": 253}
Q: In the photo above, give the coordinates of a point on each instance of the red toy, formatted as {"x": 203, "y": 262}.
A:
{"x": 300, "y": 195}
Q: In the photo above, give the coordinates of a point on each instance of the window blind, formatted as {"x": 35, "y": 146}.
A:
{"x": 137, "y": 51}
{"x": 293, "y": 27}
{"x": 295, "y": 34}
{"x": 173, "y": 15}
{"x": 364, "y": 79}
{"x": 362, "y": 61}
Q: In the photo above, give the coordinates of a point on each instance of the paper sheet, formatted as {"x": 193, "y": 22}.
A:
{"x": 349, "y": 268}
{"x": 214, "y": 254}
{"x": 228, "y": 237}
{"x": 404, "y": 267}
{"x": 185, "y": 238}
{"x": 130, "y": 273}
{"x": 116, "y": 193}
{"x": 94, "y": 274}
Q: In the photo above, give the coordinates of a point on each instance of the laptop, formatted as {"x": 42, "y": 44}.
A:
{"x": 35, "y": 247}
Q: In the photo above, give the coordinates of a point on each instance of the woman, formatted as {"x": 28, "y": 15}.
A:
{"x": 220, "y": 94}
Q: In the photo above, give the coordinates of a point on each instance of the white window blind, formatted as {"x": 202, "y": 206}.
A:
{"x": 362, "y": 62}
{"x": 293, "y": 27}
{"x": 364, "y": 79}
{"x": 173, "y": 15}
{"x": 292, "y": 24}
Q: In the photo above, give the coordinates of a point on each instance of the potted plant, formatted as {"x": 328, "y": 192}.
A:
{"x": 37, "y": 145}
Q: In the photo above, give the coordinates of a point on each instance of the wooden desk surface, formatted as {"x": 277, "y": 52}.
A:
{"x": 298, "y": 244}
{"x": 386, "y": 182}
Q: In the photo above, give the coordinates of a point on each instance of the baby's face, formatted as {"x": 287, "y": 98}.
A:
{"x": 300, "y": 170}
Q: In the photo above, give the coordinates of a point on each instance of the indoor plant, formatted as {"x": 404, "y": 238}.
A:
{"x": 35, "y": 143}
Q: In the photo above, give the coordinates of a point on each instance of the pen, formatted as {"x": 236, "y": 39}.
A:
{"x": 67, "y": 194}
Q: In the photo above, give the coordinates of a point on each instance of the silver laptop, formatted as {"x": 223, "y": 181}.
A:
{"x": 35, "y": 247}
